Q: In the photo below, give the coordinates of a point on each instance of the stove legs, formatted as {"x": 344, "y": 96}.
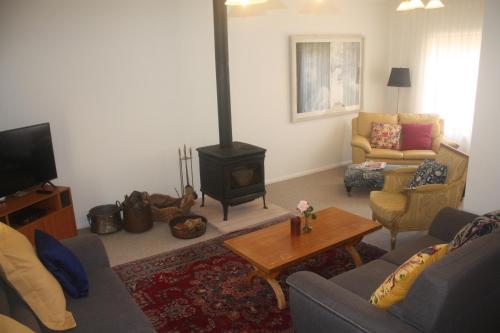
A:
{"x": 264, "y": 201}
{"x": 202, "y": 199}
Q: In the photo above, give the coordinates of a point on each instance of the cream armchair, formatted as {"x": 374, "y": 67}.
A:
{"x": 401, "y": 209}
{"x": 362, "y": 128}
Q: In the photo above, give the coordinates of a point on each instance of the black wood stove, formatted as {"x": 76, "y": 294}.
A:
{"x": 230, "y": 172}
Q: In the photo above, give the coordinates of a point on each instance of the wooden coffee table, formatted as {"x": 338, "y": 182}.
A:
{"x": 272, "y": 249}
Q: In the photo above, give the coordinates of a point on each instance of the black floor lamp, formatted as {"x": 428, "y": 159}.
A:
{"x": 400, "y": 78}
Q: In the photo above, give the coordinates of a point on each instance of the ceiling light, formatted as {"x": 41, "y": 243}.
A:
{"x": 417, "y": 4}
{"x": 433, "y": 4}
{"x": 404, "y": 6}
{"x": 243, "y": 2}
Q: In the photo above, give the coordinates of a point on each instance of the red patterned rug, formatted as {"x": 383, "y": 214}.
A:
{"x": 202, "y": 288}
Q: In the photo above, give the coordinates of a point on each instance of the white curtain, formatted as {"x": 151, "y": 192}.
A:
{"x": 442, "y": 49}
{"x": 313, "y": 76}
{"x": 328, "y": 75}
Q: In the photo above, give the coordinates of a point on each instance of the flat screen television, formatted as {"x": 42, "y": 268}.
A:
{"x": 26, "y": 158}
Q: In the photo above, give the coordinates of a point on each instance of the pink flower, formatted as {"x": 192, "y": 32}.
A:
{"x": 302, "y": 206}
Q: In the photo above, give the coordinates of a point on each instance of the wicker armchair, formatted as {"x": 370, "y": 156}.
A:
{"x": 401, "y": 209}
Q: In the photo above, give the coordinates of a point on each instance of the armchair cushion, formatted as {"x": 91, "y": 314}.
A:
{"x": 387, "y": 205}
{"x": 429, "y": 172}
{"x": 385, "y": 135}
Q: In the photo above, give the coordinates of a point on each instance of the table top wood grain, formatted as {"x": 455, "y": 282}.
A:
{"x": 273, "y": 248}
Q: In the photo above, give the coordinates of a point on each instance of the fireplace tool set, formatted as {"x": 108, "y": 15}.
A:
{"x": 186, "y": 169}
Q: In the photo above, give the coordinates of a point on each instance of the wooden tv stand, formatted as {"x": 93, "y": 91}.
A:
{"x": 55, "y": 213}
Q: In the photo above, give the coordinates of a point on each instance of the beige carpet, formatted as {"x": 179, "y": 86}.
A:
{"x": 123, "y": 246}
{"x": 240, "y": 217}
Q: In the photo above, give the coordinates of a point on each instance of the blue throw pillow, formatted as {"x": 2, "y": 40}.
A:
{"x": 429, "y": 172}
{"x": 63, "y": 264}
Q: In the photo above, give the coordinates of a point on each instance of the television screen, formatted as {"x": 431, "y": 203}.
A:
{"x": 26, "y": 158}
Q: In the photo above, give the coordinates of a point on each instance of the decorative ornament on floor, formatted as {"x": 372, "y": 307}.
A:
{"x": 307, "y": 210}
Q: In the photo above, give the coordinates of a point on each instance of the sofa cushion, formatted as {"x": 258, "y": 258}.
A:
{"x": 9, "y": 325}
{"x": 108, "y": 308}
{"x": 419, "y": 154}
{"x": 63, "y": 264}
{"x": 429, "y": 172}
{"x": 21, "y": 268}
{"x": 404, "y": 251}
{"x": 398, "y": 283}
{"x": 416, "y": 136}
{"x": 365, "y": 279}
{"x": 422, "y": 118}
{"x": 385, "y": 154}
{"x": 387, "y": 205}
{"x": 482, "y": 225}
{"x": 385, "y": 136}
{"x": 458, "y": 293}
{"x": 365, "y": 120}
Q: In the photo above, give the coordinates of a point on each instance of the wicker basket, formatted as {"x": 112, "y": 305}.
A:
{"x": 164, "y": 207}
{"x": 190, "y": 233}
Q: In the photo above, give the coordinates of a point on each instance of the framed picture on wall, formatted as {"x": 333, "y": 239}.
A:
{"x": 326, "y": 75}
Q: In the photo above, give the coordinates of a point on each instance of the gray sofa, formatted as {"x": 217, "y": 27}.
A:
{"x": 108, "y": 308}
{"x": 460, "y": 293}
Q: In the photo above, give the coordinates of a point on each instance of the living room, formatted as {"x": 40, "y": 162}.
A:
{"x": 125, "y": 84}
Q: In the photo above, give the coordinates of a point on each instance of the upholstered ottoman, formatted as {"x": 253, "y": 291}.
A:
{"x": 372, "y": 179}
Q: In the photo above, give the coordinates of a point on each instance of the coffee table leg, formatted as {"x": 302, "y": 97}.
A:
{"x": 348, "y": 189}
{"x": 354, "y": 254}
{"x": 271, "y": 280}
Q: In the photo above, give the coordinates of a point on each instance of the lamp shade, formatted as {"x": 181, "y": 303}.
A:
{"x": 400, "y": 77}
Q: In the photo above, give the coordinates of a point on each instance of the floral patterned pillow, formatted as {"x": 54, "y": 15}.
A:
{"x": 396, "y": 286}
{"x": 385, "y": 136}
{"x": 429, "y": 172}
{"x": 482, "y": 225}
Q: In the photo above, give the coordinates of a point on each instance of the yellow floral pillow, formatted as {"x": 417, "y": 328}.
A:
{"x": 396, "y": 286}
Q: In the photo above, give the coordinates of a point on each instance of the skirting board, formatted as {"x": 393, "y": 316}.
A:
{"x": 308, "y": 172}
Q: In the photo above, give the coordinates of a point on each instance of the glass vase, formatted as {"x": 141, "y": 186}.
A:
{"x": 307, "y": 225}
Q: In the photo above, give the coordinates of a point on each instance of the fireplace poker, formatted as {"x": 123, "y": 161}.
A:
{"x": 191, "y": 162}
{"x": 180, "y": 169}
{"x": 186, "y": 165}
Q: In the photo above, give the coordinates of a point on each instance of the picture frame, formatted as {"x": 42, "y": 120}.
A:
{"x": 326, "y": 75}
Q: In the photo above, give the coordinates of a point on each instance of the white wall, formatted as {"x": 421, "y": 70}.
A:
{"x": 125, "y": 82}
{"x": 483, "y": 183}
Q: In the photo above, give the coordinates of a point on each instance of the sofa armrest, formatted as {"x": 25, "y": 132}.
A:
{"x": 90, "y": 250}
{"x": 319, "y": 305}
{"x": 448, "y": 222}
{"x": 361, "y": 142}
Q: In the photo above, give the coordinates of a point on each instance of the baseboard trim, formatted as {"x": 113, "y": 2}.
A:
{"x": 307, "y": 172}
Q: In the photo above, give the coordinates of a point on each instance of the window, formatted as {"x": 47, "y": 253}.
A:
{"x": 326, "y": 75}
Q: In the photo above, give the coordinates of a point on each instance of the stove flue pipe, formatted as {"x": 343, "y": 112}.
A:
{"x": 222, "y": 73}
